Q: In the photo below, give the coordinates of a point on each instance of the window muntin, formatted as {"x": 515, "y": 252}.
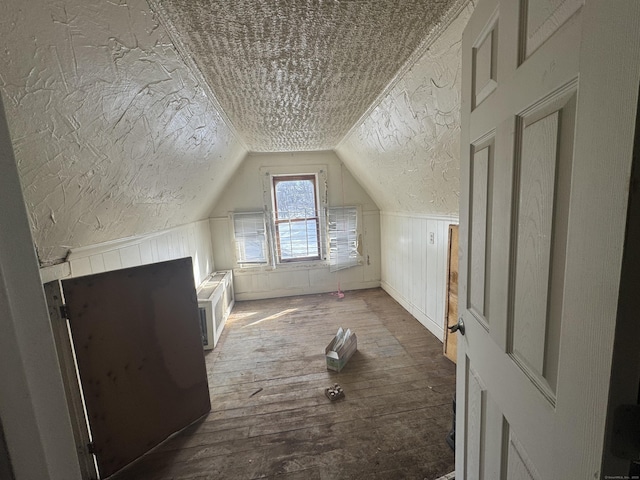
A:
{"x": 297, "y": 223}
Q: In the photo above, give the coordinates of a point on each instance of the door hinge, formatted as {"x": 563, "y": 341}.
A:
{"x": 64, "y": 311}
{"x": 91, "y": 448}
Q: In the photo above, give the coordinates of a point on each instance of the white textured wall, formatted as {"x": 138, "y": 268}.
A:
{"x": 245, "y": 193}
{"x": 406, "y": 152}
{"x": 113, "y": 135}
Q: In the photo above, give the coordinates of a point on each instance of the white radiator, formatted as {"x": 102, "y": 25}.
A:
{"x": 215, "y": 301}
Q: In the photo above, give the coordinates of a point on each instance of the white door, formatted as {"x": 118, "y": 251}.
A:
{"x": 549, "y": 98}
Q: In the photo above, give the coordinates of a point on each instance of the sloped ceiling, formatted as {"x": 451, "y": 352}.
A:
{"x": 113, "y": 134}
{"x": 296, "y": 75}
{"x": 130, "y": 116}
{"x": 406, "y": 150}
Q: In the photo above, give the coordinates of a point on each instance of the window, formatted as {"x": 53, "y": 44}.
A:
{"x": 250, "y": 238}
{"x": 343, "y": 237}
{"x": 297, "y": 223}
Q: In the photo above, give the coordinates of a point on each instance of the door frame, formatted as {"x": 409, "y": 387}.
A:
{"x": 69, "y": 370}
{"x": 37, "y": 430}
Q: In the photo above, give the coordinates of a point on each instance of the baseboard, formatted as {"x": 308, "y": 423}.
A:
{"x": 303, "y": 291}
{"x": 425, "y": 320}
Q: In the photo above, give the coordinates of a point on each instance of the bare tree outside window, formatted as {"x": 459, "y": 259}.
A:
{"x": 297, "y": 221}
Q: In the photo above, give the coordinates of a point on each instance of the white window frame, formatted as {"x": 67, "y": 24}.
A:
{"x": 320, "y": 173}
{"x": 277, "y": 240}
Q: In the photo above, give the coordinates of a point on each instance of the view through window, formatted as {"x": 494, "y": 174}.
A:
{"x": 296, "y": 218}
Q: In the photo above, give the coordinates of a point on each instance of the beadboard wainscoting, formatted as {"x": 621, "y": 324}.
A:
{"x": 414, "y": 264}
{"x": 190, "y": 240}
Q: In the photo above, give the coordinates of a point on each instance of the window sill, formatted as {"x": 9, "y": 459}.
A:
{"x": 288, "y": 266}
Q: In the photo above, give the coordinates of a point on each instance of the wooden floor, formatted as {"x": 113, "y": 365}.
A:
{"x": 271, "y": 419}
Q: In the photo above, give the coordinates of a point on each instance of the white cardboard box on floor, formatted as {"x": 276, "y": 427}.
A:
{"x": 336, "y": 360}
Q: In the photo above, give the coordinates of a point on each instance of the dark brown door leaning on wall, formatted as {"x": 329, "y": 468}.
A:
{"x": 139, "y": 352}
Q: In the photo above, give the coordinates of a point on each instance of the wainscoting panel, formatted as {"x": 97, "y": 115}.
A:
{"x": 191, "y": 240}
{"x": 413, "y": 270}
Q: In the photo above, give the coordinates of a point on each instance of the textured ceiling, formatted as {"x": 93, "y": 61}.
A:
{"x": 296, "y": 75}
{"x": 113, "y": 134}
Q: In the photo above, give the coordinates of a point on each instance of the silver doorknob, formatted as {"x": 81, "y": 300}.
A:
{"x": 457, "y": 327}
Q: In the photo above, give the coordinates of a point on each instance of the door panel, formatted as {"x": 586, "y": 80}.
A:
{"x": 485, "y": 61}
{"x": 481, "y": 190}
{"x": 542, "y": 217}
{"x": 519, "y": 466}
{"x": 140, "y": 358}
{"x": 540, "y": 20}
{"x": 542, "y": 186}
{"x": 474, "y": 420}
{"x": 487, "y": 432}
{"x": 480, "y": 165}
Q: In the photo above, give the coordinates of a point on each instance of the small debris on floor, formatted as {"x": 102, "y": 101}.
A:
{"x": 257, "y": 391}
{"x": 448, "y": 476}
{"x": 334, "y": 393}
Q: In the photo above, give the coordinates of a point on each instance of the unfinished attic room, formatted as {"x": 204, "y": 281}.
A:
{"x": 319, "y": 239}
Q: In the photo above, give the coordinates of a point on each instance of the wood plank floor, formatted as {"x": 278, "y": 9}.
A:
{"x": 391, "y": 424}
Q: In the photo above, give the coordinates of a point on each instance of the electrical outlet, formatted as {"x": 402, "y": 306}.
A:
{"x": 432, "y": 238}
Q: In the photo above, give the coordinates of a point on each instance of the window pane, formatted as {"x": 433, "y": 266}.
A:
{"x": 251, "y": 250}
{"x": 295, "y": 199}
{"x": 298, "y": 239}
